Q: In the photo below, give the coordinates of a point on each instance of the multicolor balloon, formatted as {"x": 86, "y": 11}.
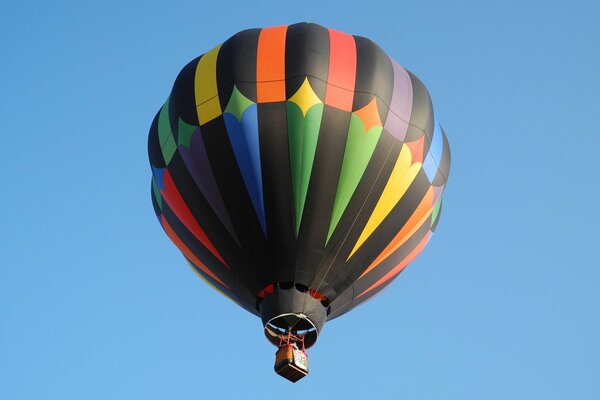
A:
{"x": 299, "y": 170}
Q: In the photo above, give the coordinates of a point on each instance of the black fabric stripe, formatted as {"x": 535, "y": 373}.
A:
{"x": 374, "y": 76}
{"x": 321, "y": 193}
{"x": 155, "y": 205}
{"x": 196, "y": 247}
{"x": 444, "y": 163}
{"x": 345, "y": 303}
{"x": 306, "y": 55}
{"x": 183, "y": 99}
{"x": 236, "y": 64}
{"x": 421, "y": 117}
{"x": 390, "y": 226}
{"x": 342, "y": 305}
{"x": 354, "y": 219}
{"x": 227, "y": 292}
{"x": 392, "y": 260}
{"x": 237, "y": 201}
{"x": 277, "y": 193}
{"x": 203, "y": 213}
{"x": 154, "y": 152}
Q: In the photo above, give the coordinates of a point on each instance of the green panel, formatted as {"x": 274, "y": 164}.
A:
{"x": 165, "y": 136}
{"x": 156, "y": 191}
{"x": 358, "y": 152}
{"x": 237, "y": 104}
{"x": 303, "y": 133}
{"x": 185, "y": 132}
{"x": 436, "y": 210}
{"x": 169, "y": 149}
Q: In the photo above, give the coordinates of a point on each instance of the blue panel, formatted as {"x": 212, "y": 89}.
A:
{"x": 430, "y": 167}
{"x": 243, "y": 136}
{"x": 159, "y": 173}
{"x": 437, "y": 143}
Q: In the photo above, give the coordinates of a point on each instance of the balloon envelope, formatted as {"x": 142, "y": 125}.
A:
{"x": 301, "y": 160}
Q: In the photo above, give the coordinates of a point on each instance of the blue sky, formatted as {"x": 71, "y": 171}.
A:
{"x": 96, "y": 303}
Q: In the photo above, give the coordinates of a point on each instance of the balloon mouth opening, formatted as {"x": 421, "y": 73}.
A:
{"x": 298, "y": 324}
{"x": 291, "y": 308}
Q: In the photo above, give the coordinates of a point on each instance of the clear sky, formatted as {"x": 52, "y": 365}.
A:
{"x": 96, "y": 303}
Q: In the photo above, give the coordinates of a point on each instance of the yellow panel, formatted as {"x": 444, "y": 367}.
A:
{"x": 411, "y": 226}
{"x": 305, "y": 97}
{"x": 400, "y": 179}
{"x": 205, "y": 87}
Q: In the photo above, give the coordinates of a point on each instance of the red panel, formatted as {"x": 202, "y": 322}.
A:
{"x": 177, "y": 204}
{"x": 270, "y": 65}
{"x": 342, "y": 70}
{"x": 187, "y": 252}
{"x": 416, "y": 149}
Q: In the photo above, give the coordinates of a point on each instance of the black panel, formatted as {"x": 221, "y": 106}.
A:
{"x": 374, "y": 76}
{"x": 237, "y": 64}
{"x": 154, "y": 152}
{"x": 390, "y": 226}
{"x": 197, "y": 248}
{"x": 277, "y": 192}
{"x": 321, "y": 191}
{"x": 392, "y": 260}
{"x": 202, "y": 211}
{"x": 253, "y": 253}
{"x": 155, "y": 205}
{"x": 182, "y": 98}
{"x": 444, "y": 167}
{"x": 358, "y": 211}
{"x": 421, "y": 117}
{"x": 306, "y": 54}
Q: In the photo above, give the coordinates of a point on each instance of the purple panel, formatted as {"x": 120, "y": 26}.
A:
{"x": 397, "y": 119}
{"x": 437, "y": 192}
{"x": 196, "y": 161}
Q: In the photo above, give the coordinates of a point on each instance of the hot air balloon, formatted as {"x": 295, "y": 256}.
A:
{"x": 299, "y": 170}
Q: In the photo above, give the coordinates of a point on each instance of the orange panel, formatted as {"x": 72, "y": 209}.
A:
{"x": 270, "y": 65}
{"x": 410, "y": 227}
{"x": 416, "y": 149}
{"x": 398, "y": 268}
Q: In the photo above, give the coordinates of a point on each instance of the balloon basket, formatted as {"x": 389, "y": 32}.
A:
{"x": 291, "y": 359}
